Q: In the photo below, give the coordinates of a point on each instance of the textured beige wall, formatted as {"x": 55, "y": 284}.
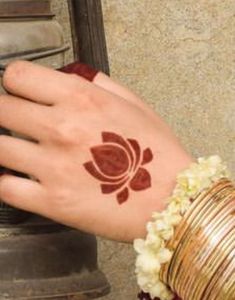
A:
{"x": 179, "y": 55}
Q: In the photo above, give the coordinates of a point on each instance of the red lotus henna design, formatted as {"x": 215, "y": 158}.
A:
{"x": 117, "y": 163}
{"x": 80, "y": 69}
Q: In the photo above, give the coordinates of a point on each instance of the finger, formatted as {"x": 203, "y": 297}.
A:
{"x": 24, "y": 117}
{"x": 22, "y": 193}
{"x": 105, "y": 82}
{"x": 111, "y": 86}
{"x": 40, "y": 84}
{"x": 102, "y": 80}
{"x": 20, "y": 155}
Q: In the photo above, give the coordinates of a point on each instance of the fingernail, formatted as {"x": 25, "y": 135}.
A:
{"x": 80, "y": 69}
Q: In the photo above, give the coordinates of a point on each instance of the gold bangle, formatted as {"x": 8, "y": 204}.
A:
{"x": 204, "y": 205}
{"x": 220, "y": 292}
{"x": 211, "y": 214}
{"x": 215, "y": 259}
{"x": 200, "y": 260}
{"x": 176, "y": 242}
{"x": 227, "y": 249}
{"x": 181, "y": 278}
{"x": 212, "y": 257}
{"x": 231, "y": 289}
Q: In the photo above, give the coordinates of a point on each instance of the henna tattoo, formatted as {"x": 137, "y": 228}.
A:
{"x": 80, "y": 69}
{"x": 117, "y": 163}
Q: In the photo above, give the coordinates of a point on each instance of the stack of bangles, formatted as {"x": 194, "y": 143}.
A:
{"x": 189, "y": 250}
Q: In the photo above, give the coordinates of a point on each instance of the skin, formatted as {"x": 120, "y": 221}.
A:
{"x": 63, "y": 117}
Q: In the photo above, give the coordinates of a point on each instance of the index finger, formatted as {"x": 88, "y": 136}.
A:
{"x": 40, "y": 84}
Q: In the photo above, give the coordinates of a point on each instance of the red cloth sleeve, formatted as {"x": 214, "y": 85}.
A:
{"x": 80, "y": 69}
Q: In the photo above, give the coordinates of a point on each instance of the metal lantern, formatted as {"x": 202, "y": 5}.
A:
{"x": 40, "y": 259}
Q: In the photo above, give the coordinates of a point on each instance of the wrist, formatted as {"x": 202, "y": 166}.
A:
{"x": 153, "y": 252}
{"x": 162, "y": 188}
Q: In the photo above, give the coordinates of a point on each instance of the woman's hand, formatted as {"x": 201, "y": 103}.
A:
{"x": 99, "y": 159}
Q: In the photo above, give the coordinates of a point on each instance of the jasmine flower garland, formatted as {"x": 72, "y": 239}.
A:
{"x": 152, "y": 252}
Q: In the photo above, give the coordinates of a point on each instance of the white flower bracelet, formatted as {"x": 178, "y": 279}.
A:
{"x": 152, "y": 252}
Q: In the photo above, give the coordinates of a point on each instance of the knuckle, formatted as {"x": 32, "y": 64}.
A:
{"x": 81, "y": 96}
{"x": 87, "y": 97}
{"x": 77, "y": 88}
{"x": 61, "y": 197}
{"x": 13, "y": 71}
{"x": 61, "y": 133}
{"x": 91, "y": 102}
